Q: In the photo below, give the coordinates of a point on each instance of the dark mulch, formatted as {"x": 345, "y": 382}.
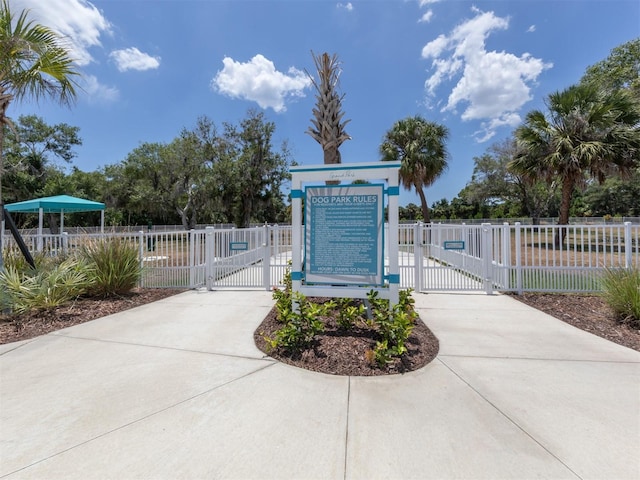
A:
{"x": 342, "y": 352}
{"x": 587, "y": 312}
{"x": 32, "y": 324}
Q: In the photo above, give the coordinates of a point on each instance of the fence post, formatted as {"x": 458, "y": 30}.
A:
{"x": 418, "y": 259}
{"x": 628, "y": 245}
{"x": 209, "y": 256}
{"x": 506, "y": 254}
{"x": 141, "y": 255}
{"x": 518, "y": 242}
{"x": 192, "y": 260}
{"x": 487, "y": 250}
{"x": 266, "y": 257}
{"x": 65, "y": 242}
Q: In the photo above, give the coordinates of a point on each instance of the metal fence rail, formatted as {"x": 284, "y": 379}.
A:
{"x": 433, "y": 257}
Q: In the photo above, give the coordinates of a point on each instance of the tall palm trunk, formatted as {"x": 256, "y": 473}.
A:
{"x": 423, "y": 203}
{"x": 565, "y": 205}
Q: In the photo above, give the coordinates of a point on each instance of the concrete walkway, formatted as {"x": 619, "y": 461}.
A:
{"x": 177, "y": 390}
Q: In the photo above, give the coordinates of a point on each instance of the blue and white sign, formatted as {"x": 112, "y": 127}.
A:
{"x": 344, "y": 234}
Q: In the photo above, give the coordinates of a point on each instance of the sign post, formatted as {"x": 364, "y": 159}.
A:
{"x": 344, "y": 247}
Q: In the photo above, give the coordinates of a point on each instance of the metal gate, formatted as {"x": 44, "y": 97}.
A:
{"x": 454, "y": 257}
{"x": 240, "y": 258}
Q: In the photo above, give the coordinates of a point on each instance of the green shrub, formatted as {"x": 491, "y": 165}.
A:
{"x": 349, "y": 314}
{"x": 394, "y": 325}
{"x": 300, "y": 325}
{"x": 622, "y": 293}
{"x": 114, "y": 267}
{"x": 44, "y": 289}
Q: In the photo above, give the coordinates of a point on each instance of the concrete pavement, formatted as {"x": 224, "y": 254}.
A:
{"x": 177, "y": 389}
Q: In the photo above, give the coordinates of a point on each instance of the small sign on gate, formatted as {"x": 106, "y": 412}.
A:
{"x": 454, "y": 245}
{"x": 238, "y": 246}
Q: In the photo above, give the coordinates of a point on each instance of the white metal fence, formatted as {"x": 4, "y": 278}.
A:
{"x": 433, "y": 257}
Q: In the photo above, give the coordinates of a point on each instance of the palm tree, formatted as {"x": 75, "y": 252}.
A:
{"x": 420, "y": 145}
{"x": 588, "y": 134}
{"x": 328, "y": 127}
{"x": 34, "y": 63}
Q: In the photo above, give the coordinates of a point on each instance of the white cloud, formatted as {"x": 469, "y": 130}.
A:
{"x": 134, "y": 59}
{"x": 97, "y": 92}
{"x": 492, "y": 86}
{"x": 531, "y": 29}
{"x": 79, "y": 21}
{"x": 259, "y": 81}
{"x": 435, "y": 47}
{"x": 426, "y": 17}
{"x": 346, "y": 6}
{"x": 423, "y": 3}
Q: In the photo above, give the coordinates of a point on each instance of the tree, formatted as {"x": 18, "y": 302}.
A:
{"x": 620, "y": 70}
{"x": 615, "y": 197}
{"x": 494, "y": 185}
{"x": 588, "y": 133}
{"x": 203, "y": 176}
{"x": 34, "y": 63}
{"x": 259, "y": 172}
{"x": 328, "y": 128}
{"x": 31, "y": 149}
{"x": 420, "y": 146}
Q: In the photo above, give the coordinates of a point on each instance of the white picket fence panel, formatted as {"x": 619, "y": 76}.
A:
{"x": 432, "y": 257}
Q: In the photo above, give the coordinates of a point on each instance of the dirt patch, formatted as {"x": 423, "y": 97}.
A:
{"x": 32, "y": 324}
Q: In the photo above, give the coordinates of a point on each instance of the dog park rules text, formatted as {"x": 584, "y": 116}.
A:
{"x": 343, "y": 230}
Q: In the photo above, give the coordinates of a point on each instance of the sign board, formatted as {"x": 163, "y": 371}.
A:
{"x": 454, "y": 245}
{"x": 341, "y": 249}
{"x": 344, "y": 234}
{"x": 238, "y": 246}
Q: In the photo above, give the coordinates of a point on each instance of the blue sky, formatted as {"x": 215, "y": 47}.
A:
{"x": 152, "y": 67}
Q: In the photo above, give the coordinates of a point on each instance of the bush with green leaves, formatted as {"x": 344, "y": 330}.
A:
{"x": 301, "y": 323}
{"x": 393, "y": 324}
{"x": 350, "y": 313}
{"x": 114, "y": 267}
{"x": 46, "y": 288}
{"x": 622, "y": 293}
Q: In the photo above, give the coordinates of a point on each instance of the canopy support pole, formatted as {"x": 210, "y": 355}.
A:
{"x": 40, "y": 222}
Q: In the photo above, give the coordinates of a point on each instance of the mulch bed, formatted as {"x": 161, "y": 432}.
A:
{"x": 342, "y": 352}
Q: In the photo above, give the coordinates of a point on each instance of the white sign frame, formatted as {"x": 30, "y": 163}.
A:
{"x": 318, "y": 175}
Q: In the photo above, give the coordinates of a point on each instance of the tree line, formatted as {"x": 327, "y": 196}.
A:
{"x": 207, "y": 174}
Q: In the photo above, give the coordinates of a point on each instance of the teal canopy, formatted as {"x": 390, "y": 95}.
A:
{"x": 57, "y": 204}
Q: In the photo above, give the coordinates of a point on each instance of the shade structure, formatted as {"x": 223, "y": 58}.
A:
{"x": 57, "y": 204}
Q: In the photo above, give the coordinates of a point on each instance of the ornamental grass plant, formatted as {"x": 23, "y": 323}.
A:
{"x": 114, "y": 267}
{"x": 622, "y": 293}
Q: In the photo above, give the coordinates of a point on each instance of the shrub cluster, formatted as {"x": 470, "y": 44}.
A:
{"x": 302, "y": 321}
{"x": 101, "y": 269}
